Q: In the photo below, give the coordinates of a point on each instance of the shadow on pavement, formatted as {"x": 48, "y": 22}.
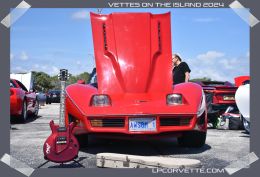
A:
{"x": 17, "y": 120}
{"x": 137, "y": 147}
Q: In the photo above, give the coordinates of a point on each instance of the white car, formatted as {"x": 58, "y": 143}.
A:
{"x": 242, "y": 98}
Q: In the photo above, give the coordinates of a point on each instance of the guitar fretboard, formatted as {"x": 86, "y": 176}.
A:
{"x": 62, "y": 105}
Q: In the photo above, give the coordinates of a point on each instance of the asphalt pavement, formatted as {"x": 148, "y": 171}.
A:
{"x": 26, "y": 143}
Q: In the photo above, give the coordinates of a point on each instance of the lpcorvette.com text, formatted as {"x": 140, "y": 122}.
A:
{"x": 187, "y": 170}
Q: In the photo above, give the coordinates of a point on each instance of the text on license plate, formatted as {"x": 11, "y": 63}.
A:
{"x": 142, "y": 124}
{"x": 228, "y": 97}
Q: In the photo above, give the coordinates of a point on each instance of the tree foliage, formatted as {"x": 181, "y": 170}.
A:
{"x": 200, "y": 79}
{"x": 44, "y": 82}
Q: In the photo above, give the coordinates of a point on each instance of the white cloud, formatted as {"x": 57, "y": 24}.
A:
{"x": 81, "y": 15}
{"x": 210, "y": 55}
{"x": 55, "y": 70}
{"x": 205, "y": 20}
{"x": 18, "y": 69}
{"x": 217, "y": 66}
{"x": 23, "y": 56}
{"x": 209, "y": 72}
{"x": 11, "y": 56}
{"x": 248, "y": 54}
{"x": 78, "y": 62}
{"x": 36, "y": 66}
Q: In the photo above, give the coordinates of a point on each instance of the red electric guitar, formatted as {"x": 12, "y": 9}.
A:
{"x": 61, "y": 146}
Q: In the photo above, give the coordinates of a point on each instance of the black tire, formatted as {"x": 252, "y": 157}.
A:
{"x": 37, "y": 107}
{"x": 192, "y": 139}
{"x": 24, "y": 115}
{"x": 83, "y": 140}
{"x": 246, "y": 125}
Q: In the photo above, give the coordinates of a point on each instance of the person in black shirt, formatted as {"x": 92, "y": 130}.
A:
{"x": 180, "y": 71}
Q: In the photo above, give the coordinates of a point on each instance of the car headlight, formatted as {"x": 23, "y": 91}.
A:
{"x": 202, "y": 106}
{"x": 174, "y": 99}
{"x": 101, "y": 100}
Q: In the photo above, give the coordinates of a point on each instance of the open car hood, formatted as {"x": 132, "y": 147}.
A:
{"x": 132, "y": 52}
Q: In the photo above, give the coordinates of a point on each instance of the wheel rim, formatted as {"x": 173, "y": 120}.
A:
{"x": 246, "y": 125}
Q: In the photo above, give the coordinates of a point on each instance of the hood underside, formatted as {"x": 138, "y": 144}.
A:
{"x": 132, "y": 52}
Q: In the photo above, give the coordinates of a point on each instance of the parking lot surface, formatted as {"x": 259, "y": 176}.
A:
{"x": 26, "y": 143}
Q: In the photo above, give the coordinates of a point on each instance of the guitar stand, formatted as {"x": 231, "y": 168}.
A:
{"x": 43, "y": 164}
{"x": 61, "y": 164}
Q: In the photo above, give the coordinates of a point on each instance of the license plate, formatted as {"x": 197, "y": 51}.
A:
{"x": 54, "y": 96}
{"x": 142, "y": 124}
{"x": 228, "y": 98}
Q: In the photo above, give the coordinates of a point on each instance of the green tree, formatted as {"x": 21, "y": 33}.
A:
{"x": 200, "y": 79}
{"x": 42, "y": 81}
{"x": 84, "y": 76}
{"x": 72, "y": 79}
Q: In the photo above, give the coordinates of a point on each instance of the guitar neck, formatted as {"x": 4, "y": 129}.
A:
{"x": 62, "y": 104}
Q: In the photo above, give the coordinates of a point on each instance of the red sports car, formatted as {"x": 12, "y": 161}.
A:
{"x": 219, "y": 96}
{"x": 22, "y": 101}
{"x": 133, "y": 96}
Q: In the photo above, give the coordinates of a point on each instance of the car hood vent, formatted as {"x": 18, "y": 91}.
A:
{"x": 132, "y": 52}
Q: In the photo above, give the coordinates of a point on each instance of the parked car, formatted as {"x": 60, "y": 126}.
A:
{"x": 133, "y": 96}
{"x": 53, "y": 96}
{"x": 243, "y": 101}
{"x": 22, "y": 101}
{"x": 41, "y": 97}
{"x": 219, "y": 96}
{"x": 242, "y": 80}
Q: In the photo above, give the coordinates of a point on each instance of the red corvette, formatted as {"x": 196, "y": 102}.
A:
{"x": 134, "y": 96}
{"x": 219, "y": 96}
{"x": 22, "y": 102}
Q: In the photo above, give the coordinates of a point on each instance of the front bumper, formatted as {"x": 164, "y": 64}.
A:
{"x": 120, "y": 124}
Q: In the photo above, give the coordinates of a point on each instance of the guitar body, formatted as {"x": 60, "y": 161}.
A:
{"x": 61, "y": 146}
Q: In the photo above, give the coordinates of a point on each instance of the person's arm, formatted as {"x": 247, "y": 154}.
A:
{"x": 187, "y": 76}
{"x": 187, "y": 71}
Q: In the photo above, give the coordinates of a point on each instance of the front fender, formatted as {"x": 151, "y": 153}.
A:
{"x": 79, "y": 95}
{"x": 192, "y": 94}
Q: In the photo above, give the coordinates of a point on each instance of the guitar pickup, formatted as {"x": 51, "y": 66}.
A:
{"x": 61, "y": 140}
{"x": 62, "y": 129}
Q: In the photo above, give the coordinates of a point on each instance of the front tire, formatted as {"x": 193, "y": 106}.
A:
{"x": 36, "y": 109}
{"x": 192, "y": 139}
{"x": 83, "y": 140}
{"x": 246, "y": 125}
{"x": 24, "y": 112}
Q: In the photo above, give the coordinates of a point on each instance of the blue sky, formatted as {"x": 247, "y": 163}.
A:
{"x": 214, "y": 42}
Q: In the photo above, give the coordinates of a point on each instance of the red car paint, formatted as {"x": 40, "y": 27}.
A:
{"x": 220, "y": 95}
{"x": 240, "y": 79}
{"x": 133, "y": 64}
{"x": 18, "y": 95}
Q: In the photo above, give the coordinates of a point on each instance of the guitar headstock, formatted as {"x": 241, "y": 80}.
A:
{"x": 63, "y": 76}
